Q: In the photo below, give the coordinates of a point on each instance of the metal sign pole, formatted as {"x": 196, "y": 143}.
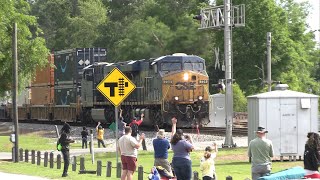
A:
{"x": 117, "y": 131}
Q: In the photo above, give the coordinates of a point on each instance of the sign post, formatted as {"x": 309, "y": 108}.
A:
{"x": 116, "y": 87}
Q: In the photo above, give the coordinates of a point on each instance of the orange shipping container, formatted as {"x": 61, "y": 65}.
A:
{"x": 41, "y": 95}
{"x": 42, "y": 87}
{"x": 46, "y": 74}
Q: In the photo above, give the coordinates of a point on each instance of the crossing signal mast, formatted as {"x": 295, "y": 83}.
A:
{"x": 225, "y": 17}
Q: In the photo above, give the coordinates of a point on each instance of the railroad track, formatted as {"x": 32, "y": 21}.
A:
{"x": 218, "y": 131}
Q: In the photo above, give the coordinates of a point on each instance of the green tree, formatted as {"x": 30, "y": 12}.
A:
{"x": 291, "y": 46}
{"x": 239, "y": 99}
{"x": 31, "y": 48}
{"x": 70, "y": 24}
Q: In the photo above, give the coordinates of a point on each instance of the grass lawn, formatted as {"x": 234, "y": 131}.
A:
{"x": 231, "y": 162}
{"x": 34, "y": 141}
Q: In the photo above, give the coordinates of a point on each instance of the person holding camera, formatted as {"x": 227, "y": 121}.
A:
{"x": 182, "y": 145}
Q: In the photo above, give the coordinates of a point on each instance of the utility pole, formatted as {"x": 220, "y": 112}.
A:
{"x": 225, "y": 17}
{"x": 269, "y": 81}
{"x": 15, "y": 92}
{"x": 228, "y": 73}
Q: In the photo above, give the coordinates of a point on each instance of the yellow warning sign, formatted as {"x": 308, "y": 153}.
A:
{"x": 116, "y": 87}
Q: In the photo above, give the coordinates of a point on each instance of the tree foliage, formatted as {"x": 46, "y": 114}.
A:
{"x": 291, "y": 46}
{"x": 31, "y": 48}
{"x": 136, "y": 29}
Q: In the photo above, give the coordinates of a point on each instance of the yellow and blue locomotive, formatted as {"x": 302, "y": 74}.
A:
{"x": 173, "y": 85}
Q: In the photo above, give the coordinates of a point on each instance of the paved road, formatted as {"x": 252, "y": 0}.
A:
{"x": 19, "y": 176}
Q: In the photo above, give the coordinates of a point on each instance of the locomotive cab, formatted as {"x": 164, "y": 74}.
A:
{"x": 184, "y": 89}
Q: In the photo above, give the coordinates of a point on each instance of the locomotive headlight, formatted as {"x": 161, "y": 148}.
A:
{"x": 185, "y": 76}
{"x": 176, "y": 98}
{"x": 200, "y": 98}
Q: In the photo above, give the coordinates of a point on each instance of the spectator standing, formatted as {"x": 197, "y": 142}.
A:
{"x": 210, "y": 161}
{"x": 311, "y": 156}
{"x": 161, "y": 146}
{"x": 84, "y": 135}
{"x": 135, "y": 126}
{"x": 128, "y": 147}
{"x": 260, "y": 152}
{"x": 181, "y": 146}
{"x": 100, "y": 134}
{"x": 207, "y": 166}
{"x": 65, "y": 143}
{"x": 121, "y": 124}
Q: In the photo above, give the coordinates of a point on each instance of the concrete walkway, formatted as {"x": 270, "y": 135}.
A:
{"x": 19, "y": 176}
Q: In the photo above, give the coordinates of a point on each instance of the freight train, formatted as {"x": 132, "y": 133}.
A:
{"x": 173, "y": 85}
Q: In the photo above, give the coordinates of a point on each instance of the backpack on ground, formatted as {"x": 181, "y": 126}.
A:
{"x": 135, "y": 129}
{"x": 59, "y": 145}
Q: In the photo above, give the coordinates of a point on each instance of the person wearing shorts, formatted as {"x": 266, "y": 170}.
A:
{"x": 128, "y": 147}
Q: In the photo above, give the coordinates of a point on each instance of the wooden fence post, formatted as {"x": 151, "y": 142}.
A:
{"x": 33, "y": 156}
{"x": 38, "y": 158}
{"x": 228, "y": 178}
{"x": 82, "y": 168}
{"x": 109, "y": 166}
{"x": 74, "y": 163}
{"x": 119, "y": 170}
{"x": 140, "y": 173}
{"x": 99, "y": 166}
{"x": 45, "y": 161}
{"x": 51, "y": 160}
{"x": 26, "y": 155}
{"x": 195, "y": 175}
{"x": 21, "y": 154}
{"x": 59, "y": 161}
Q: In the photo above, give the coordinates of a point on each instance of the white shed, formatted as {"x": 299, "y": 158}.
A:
{"x": 217, "y": 112}
{"x": 287, "y": 115}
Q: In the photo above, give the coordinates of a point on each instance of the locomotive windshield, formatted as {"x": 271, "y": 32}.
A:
{"x": 171, "y": 66}
{"x": 193, "y": 66}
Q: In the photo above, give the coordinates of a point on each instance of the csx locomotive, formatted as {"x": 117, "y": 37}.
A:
{"x": 172, "y": 85}
{"x": 167, "y": 86}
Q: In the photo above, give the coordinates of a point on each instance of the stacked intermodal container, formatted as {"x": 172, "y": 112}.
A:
{"x": 69, "y": 69}
{"x": 42, "y": 91}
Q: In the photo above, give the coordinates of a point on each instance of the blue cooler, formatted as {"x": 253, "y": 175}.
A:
{"x": 292, "y": 173}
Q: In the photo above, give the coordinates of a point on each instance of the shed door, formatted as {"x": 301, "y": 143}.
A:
{"x": 289, "y": 132}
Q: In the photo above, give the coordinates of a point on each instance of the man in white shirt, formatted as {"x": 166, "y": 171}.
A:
{"x": 128, "y": 147}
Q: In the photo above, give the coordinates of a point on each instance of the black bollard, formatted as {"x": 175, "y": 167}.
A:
{"x": 99, "y": 166}
{"x": 45, "y": 161}
{"x": 82, "y": 168}
{"x": 38, "y": 158}
{"x": 51, "y": 160}
{"x": 228, "y": 178}
{"x": 119, "y": 170}
{"x": 21, "y": 154}
{"x": 195, "y": 175}
{"x": 26, "y": 155}
{"x": 33, "y": 156}
{"x": 109, "y": 166}
{"x": 140, "y": 173}
{"x": 74, "y": 163}
{"x": 58, "y": 161}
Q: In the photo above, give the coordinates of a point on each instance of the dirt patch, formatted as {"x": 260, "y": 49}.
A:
{"x": 240, "y": 157}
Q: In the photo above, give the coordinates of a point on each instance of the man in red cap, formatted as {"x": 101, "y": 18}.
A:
{"x": 260, "y": 152}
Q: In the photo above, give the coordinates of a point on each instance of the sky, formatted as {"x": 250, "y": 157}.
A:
{"x": 314, "y": 17}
